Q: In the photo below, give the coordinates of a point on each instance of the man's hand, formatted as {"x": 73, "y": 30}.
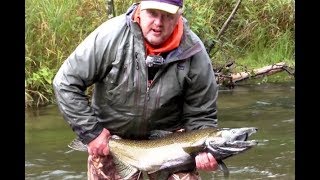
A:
{"x": 99, "y": 146}
{"x": 206, "y": 162}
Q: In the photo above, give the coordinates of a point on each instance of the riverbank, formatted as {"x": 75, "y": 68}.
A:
{"x": 261, "y": 33}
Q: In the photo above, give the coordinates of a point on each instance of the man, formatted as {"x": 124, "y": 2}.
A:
{"x": 149, "y": 71}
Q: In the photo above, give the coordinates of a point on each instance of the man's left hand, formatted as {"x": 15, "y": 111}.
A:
{"x": 206, "y": 162}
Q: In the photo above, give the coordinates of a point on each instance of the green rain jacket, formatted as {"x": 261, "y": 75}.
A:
{"x": 183, "y": 93}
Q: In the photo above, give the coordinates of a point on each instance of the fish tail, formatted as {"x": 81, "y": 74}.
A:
{"x": 76, "y": 144}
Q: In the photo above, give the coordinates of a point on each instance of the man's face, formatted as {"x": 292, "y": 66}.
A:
{"x": 157, "y": 25}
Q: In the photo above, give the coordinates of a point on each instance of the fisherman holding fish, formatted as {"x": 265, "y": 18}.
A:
{"x": 150, "y": 72}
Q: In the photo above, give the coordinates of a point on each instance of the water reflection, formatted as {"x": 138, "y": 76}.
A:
{"x": 270, "y": 107}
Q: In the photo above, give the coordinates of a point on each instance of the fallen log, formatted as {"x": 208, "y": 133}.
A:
{"x": 230, "y": 79}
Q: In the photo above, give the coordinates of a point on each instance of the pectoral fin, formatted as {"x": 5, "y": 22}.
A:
{"x": 223, "y": 167}
{"x": 125, "y": 170}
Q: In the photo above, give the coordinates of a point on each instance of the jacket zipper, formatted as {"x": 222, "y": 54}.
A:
{"x": 144, "y": 126}
{"x": 158, "y": 94}
{"x": 137, "y": 78}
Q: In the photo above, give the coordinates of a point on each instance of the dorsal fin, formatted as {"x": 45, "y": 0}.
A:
{"x": 193, "y": 149}
{"x": 156, "y": 134}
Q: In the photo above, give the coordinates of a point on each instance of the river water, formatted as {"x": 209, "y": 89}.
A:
{"x": 269, "y": 107}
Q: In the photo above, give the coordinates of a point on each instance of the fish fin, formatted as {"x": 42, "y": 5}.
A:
{"x": 223, "y": 167}
{"x": 193, "y": 149}
{"x": 115, "y": 137}
{"x": 125, "y": 170}
{"x": 156, "y": 134}
{"x": 76, "y": 144}
{"x": 163, "y": 174}
{"x": 152, "y": 172}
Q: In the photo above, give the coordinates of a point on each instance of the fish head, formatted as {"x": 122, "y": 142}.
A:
{"x": 230, "y": 141}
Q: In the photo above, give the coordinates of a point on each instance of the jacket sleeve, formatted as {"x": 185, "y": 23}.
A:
{"x": 80, "y": 70}
{"x": 200, "y": 108}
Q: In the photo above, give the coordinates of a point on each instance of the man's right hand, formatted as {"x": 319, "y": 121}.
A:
{"x": 99, "y": 146}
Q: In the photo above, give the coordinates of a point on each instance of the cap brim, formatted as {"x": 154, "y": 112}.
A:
{"x": 160, "y": 6}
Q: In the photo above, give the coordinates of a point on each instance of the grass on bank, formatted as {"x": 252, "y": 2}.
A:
{"x": 261, "y": 33}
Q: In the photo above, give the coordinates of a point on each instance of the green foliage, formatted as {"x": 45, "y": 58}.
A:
{"x": 121, "y": 6}
{"x": 258, "y": 27}
{"x": 260, "y": 33}
{"x": 53, "y": 29}
{"x": 41, "y": 81}
{"x": 280, "y": 50}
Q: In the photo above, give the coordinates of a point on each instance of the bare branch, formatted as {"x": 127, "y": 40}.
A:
{"x": 227, "y": 22}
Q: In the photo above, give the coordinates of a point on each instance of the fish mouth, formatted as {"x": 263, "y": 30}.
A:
{"x": 235, "y": 145}
{"x": 240, "y": 144}
{"x": 242, "y": 137}
{"x": 241, "y": 140}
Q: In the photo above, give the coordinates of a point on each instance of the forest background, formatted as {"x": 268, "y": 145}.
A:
{"x": 260, "y": 33}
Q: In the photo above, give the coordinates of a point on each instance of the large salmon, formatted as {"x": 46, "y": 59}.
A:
{"x": 176, "y": 149}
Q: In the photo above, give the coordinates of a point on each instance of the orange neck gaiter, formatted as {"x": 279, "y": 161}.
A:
{"x": 171, "y": 43}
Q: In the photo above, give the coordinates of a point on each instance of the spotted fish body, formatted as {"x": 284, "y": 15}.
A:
{"x": 176, "y": 149}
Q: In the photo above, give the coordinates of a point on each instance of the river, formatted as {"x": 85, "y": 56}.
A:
{"x": 269, "y": 107}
